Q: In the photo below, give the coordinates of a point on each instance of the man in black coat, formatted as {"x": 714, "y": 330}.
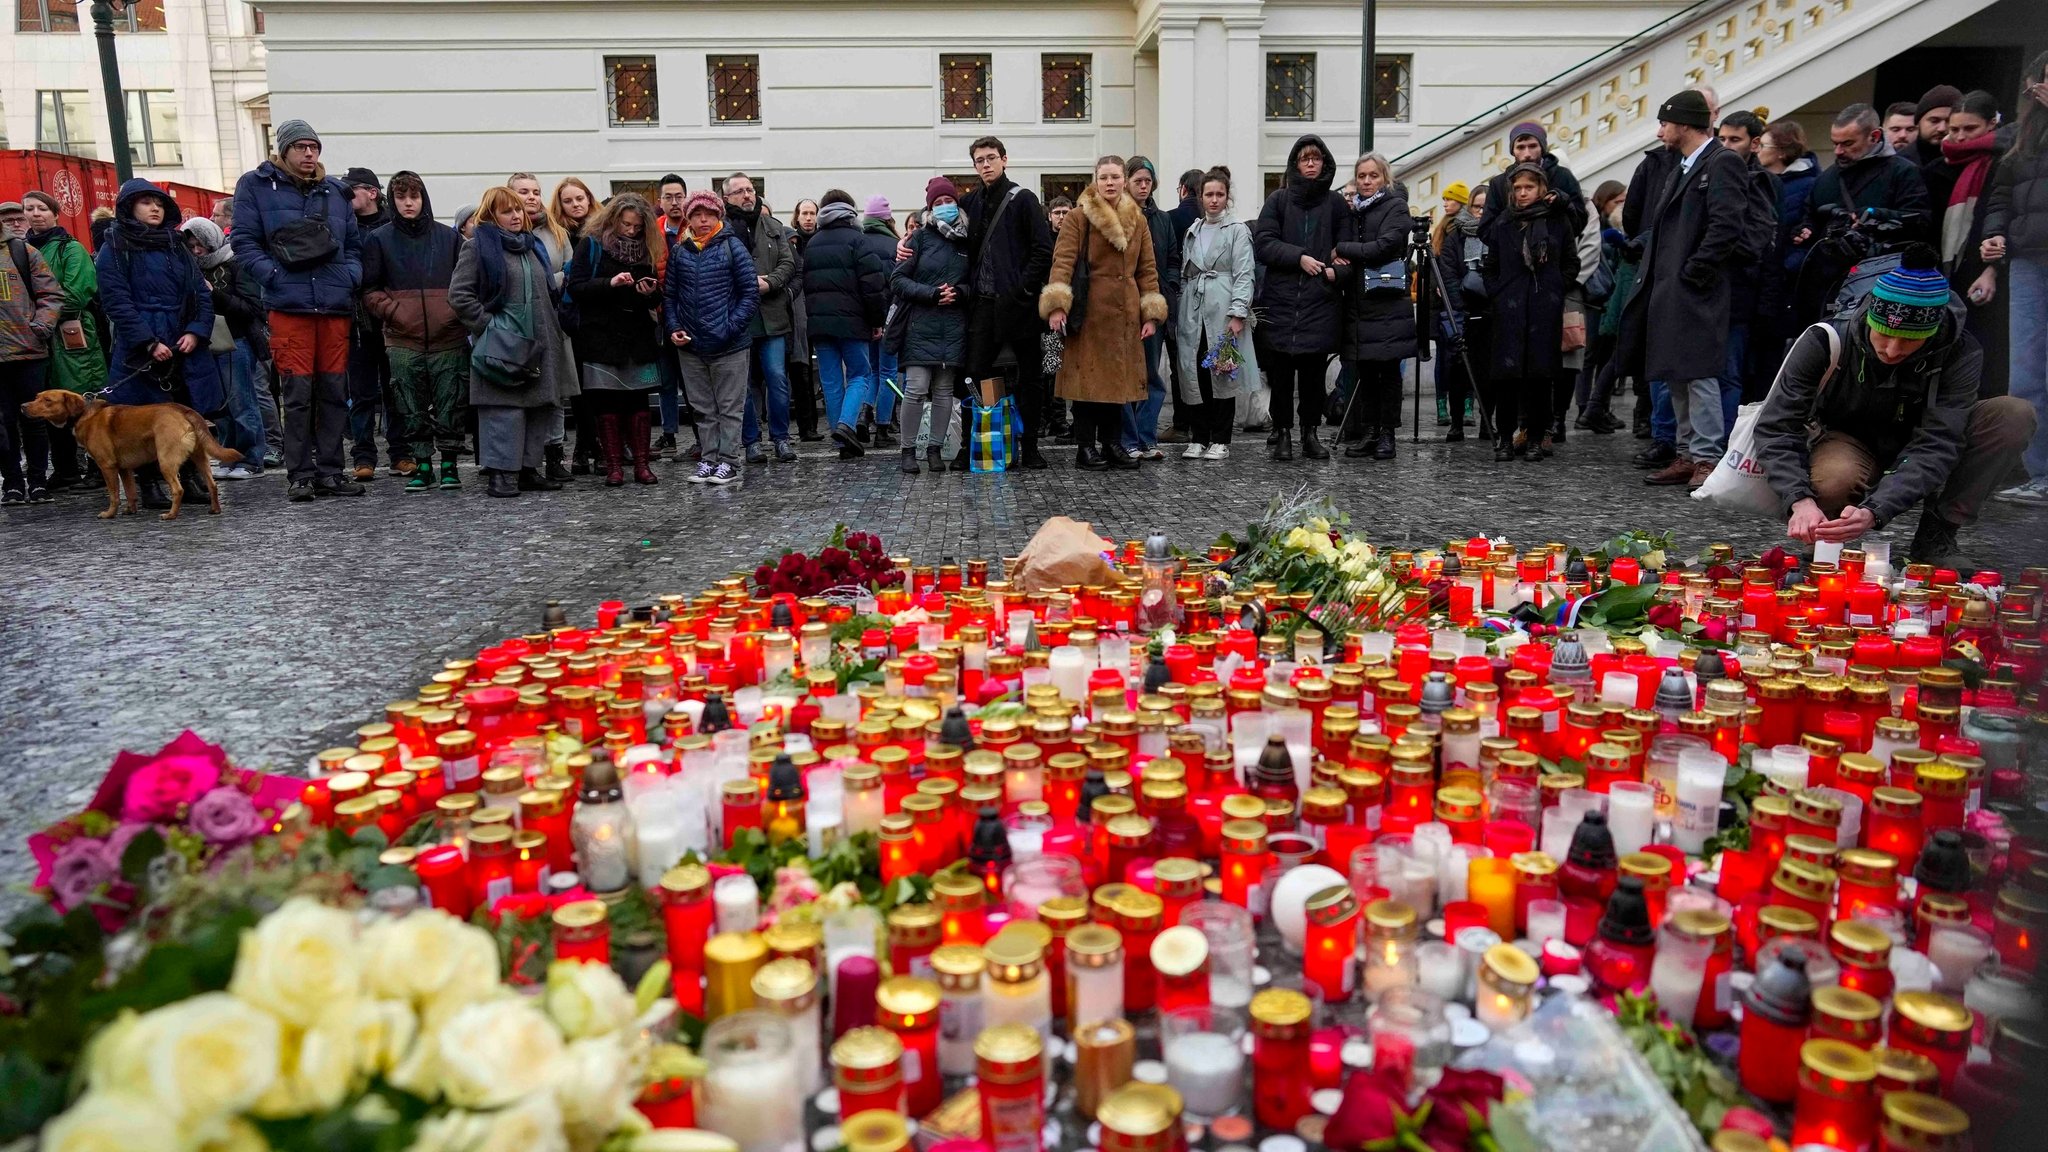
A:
{"x": 1675, "y": 329}
{"x": 1010, "y": 246}
{"x": 1869, "y": 180}
{"x": 1295, "y": 240}
{"x": 1759, "y": 284}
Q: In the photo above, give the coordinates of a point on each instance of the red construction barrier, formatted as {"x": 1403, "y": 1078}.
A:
{"x": 80, "y": 186}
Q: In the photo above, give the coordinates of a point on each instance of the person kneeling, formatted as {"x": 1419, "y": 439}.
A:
{"x": 1893, "y": 394}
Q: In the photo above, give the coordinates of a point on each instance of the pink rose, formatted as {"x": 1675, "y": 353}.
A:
{"x": 158, "y": 789}
{"x": 82, "y": 867}
{"x": 225, "y": 817}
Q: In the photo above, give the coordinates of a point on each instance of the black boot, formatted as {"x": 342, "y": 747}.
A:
{"x": 933, "y": 456}
{"x": 1088, "y": 458}
{"x": 502, "y": 484}
{"x": 534, "y": 480}
{"x": 910, "y": 467}
{"x": 1312, "y": 446}
{"x": 1120, "y": 459}
{"x": 1383, "y": 448}
{"x": 960, "y": 463}
{"x": 555, "y": 470}
{"x": 1363, "y": 445}
{"x": 1282, "y": 442}
{"x": 1031, "y": 457}
{"x": 1934, "y": 542}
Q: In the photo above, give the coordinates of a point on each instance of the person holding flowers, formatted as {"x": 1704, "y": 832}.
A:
{"x": 1217, "y": 274}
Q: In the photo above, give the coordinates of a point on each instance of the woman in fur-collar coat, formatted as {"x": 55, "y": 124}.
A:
{"x": 1103, "y": 364}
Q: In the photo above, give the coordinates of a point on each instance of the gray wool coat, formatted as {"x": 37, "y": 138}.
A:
{"x": 557, "y": 371}
{"x": 1214, "y": 286}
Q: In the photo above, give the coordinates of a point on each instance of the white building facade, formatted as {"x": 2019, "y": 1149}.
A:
{"x": 193, "y": 71}
{"x": 875, "y": 96}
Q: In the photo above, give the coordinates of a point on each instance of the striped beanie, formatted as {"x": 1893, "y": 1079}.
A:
{"x": 1908, "y": 302}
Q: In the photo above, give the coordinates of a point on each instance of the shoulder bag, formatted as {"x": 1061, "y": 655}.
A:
{"x": 303, "y": 243}
{"x": 1078, "y": 310}
{"x": 505, "y": 353}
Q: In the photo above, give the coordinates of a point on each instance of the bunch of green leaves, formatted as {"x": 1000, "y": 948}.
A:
{"x": 379, "y": 1119}
{"x": 63, "y": 978}
{"x": 1617, "y": 608}
{"x": 1741, "y": 788}
{"x": 855, "y": 860}
{"x": 1652, "y": 549}
{"x": 1702, "y": 1088}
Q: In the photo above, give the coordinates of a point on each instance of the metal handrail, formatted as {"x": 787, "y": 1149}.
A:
{"x": 1619, "y": 47}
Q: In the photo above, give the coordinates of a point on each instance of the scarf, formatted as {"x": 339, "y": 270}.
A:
{"x": 44, "y": 238}
{"x": 1466, "y": 222}
{"x": 1974, "y": 157}
{"x": 744, "y": 221}
{"x": 629, "y": 250}
{"x": 956, "y": 229}
{"x": 835, "y": 214}
{"x": 1361, "y": 203}
{"x": 704, "y": 241}
{"x": 134, "y": 234}
{"x": 492, "y": 243}
{"x": 1535, "y": 239}
{"x": 217, "y": 251}
{"x": 990, "y": 198}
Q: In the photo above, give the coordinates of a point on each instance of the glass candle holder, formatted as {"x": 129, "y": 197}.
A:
{"x": 1506, "y": 983}
{"x": 958, "y": 969}
{"x": 1391, "y": 932}
{"x": 1095, "y": 974}
{"x": 1233, "y": 942}
{"x": 1411, "y": 1038}
{"x": 790, "y": 989}
{"x": 1281, "y": 1021}
{"x": 1205, "y": 1060}
{"x": 745, "y": 1094}
{"x": 1835, "y": 1106}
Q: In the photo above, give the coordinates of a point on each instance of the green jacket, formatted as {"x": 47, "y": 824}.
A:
{"x": 81, "y": 370}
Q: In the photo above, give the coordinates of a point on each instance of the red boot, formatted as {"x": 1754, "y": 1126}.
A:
{"x": 642, "y": 431}
{"x": 610, "y": 447}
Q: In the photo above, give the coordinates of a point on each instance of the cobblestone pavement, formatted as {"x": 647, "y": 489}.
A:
{"x": 277, "y": 628}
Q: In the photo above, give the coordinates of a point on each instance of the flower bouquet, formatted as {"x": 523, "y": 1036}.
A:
{"x": 397, "y": 1034}
{"x": 181, "y": 807}
{"x": 1224, "y": 358}
{"x": 1302, "y": 548}
{"x": 847, "y": 559}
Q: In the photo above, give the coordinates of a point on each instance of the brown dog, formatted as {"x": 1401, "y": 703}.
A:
{"x": 122, "y": 438}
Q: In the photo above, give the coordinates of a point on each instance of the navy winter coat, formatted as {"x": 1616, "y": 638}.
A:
{"x": 845, "y": 283}
{"x": 268, "y": 199}
{"x": 933, "y": 333}
{"x": 1303, "y": 315}
{"x": 152, "y": 294}
{"x": 711, "y": 293}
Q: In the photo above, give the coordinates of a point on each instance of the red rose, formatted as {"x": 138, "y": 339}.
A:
{"x": 1459, "y": 1105}
{"x": 1370, "y": 1110}
{"x": 1666, "y": 615}
{"x": 1715, "y": 628}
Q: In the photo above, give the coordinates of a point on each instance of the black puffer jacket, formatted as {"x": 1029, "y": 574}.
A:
{"x": 1301, "y": 314}
{"x": 2018, "y": 208}
{"x": 1377, "y": 325}
{"x": 845, "y": 283}
{"x": 933, "y": 333}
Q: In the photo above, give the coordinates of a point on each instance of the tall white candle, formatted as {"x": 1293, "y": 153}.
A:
{"x": 1701, "y": 776}
{"x": 1619, "y": 688}
{"x": 1069, "y": 668}
{"x": 1207, "y": 1069}
{"x": 1631, "y": 814}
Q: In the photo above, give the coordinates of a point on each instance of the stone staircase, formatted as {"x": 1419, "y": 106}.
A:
{"x": 1601, "y": 115}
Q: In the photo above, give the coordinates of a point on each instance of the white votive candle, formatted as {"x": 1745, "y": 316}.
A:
{"x": 1207, "y": 1069}
{"x": 1631, "y": 814}
{"x": 738, "y": 902}
{"x": 1701, "y": 776}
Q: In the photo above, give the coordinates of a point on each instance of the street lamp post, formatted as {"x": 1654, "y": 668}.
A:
{"x": 1365, "y": 78}
{"x": 110, "y": 79}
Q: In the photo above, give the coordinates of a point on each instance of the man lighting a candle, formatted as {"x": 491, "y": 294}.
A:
{"x": 1893, "y": 391}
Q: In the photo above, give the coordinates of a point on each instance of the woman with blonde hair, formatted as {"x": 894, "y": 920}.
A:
{"x": 1102, "y": 366}
{"x": 502, "y": 273}
{"x": 555, "y": 249}
{"x": 1379, "y": 318}
{"x": 572, "y": 208}
{"x": 612, "y": 280}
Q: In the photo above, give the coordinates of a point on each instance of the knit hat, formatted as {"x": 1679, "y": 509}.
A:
{"x": 703, "y": 199}
{"x": 362, "y": 178}
{"x": 1689, "y": 109}
{"x": 878, "y": 207}
{"x": 1457, "y": 193}
{"x": 1910, "y": 300}
{"x": 291, "y": 132}
{"x": 1529, "y": 128}
{"x": 1939, "y": 96}
{"x": 936, "y": 187}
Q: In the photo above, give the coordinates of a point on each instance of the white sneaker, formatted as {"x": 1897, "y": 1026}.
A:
{"x": 219, "y": 470}
{"x": 1154, "y": 453}
{"x": 1216, "y": 452}
{"x": 2032, "y": 492}
{"x": 1192, "y": 452}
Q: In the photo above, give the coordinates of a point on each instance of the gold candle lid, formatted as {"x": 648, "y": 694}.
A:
{"x": 1933, "y": 1011}
{"x": 1510, "y": 964}
{"x": 958, "y": 967}
{"x": 1389, "y": 915}
{"x": 1180, "y": 951}
{"x": 1837, "y": 1060}
{"x": 1924, "y": 1115}
{"x": 1139, "y": 1111}
{"x": 791, "y": 985}
{"x": 1014, "y": 957}
{"x": 875, "y": 1130}
{"x": 1846, "y": 1004}
{"x": 1094, "y": 946}
{"x": 907, "y": 996}
{"x": 735, "y": 948}
{"x": 1008, "y": 1054}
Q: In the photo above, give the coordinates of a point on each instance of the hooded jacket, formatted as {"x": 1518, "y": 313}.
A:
{"x": 236, "y": 298}
{"x": 269, "y": 198}
{"x": 1912, "y": 417}
{"x": 846, "y": 280}
{"x": 1561, "y": 181}
{"x": 407, "y": 266}
{"x": 153, "y": 294}
{"x": 1884, "y": 182}
{"x": 1303, "y": 314}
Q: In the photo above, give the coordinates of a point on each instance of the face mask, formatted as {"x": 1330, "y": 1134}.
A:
{"x": 946, "y": 213}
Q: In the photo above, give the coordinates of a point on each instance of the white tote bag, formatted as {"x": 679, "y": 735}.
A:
{"x": 1738, "y": 482}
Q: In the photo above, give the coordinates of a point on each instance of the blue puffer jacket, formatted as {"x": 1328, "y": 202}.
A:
{"x": 153, "y": 292}
{"x": 268, "y": 199}
{"x": 711, "y": 293}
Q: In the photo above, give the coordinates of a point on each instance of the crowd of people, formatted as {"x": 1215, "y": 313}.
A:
{"x": 545, "y": 336}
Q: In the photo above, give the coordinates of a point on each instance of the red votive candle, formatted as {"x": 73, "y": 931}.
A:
{"x": 444, "y": 873}
{"x": 583, "y": 932}
{"x": 1835, "y": 1105}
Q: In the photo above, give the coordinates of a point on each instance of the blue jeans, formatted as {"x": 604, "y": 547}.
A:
{"x": 1141, "y": 419}
{"x": 1663, "y": 422}
{"x": 888, "y": 382}
{"x": 243, "y": 429}
{"x": 844, "y": 377}
{"x": 1732, "y": 369}
{"x": 2027, "y": 280}
{"x": 1698, "y": 405}
{"x": 768, "y": 352}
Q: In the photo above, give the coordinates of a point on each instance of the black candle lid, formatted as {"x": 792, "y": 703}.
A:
{"x": 715, "y": 718}
{"x": 1274, "y": 761}
{"x": 954, "y": 730}
{"x": 784, "y": 781}
{"x": 781, "y": 618}
{"x": 1944, "y": 865}
{"x": 1627, "y": 919}
{"x": 1592, "y": 843}
{"x": 1781, "y": 993}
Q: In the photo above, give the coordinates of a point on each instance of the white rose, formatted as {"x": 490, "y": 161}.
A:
{"x": 197, "y": 1060}
{"x": 319, "y": 1068}
{"x": 384, "y": 1033}
{"x": 533, "y": 1125}
{"x": 419, "y": 1070}
{"x": 299, "y": 961}
{"x": 588, "y": 999}
{"x": 111, "y": 1122}
{"x": 238, "y": 1136}
{"x": 431, "y": 959}
{"x": 454, "y": 1131}
{"x": 683, "y": 1140}
{"x": 496, "y": 1052}
{"x": 595, "y": 1084}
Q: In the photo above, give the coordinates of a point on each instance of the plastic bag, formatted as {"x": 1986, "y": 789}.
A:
{"x": 1738, "y": 482}
{"x": 992, "y": 439}
{"x": 1063, "y": 551}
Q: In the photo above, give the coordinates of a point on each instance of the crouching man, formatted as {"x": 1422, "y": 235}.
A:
{"x": 1860, "y": 428}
